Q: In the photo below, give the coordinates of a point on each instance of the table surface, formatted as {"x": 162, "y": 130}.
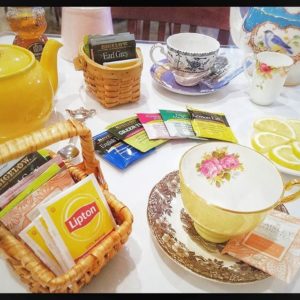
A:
{"x": 141, "y": 266}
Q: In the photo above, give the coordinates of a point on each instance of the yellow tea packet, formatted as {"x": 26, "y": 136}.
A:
{"x": 33, "y": 238}
{"x": 78, "y": 219}
{"x": 211, "y": 125}
{"x": 42, "y": 227}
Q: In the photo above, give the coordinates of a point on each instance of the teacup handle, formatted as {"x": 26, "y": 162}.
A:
{"x": 162, "y": 51}
{"x": 248, "y": 61}
{"x": 288, "y": 185}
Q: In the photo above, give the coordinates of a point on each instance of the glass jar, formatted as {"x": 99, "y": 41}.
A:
{"x": 29, "y": 24}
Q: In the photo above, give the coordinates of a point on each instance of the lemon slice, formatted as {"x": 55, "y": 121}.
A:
{"x": 296, "y": 148}
{"x": 264, "y": 141}
{"x": 284, "y": 156}
{"x": 295, "y": 124}
{"x": 276, "y": 126}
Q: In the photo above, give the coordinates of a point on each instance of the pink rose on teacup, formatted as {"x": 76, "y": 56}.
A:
{"x": 210, "y": 168}
{"x": 229, "y": 161}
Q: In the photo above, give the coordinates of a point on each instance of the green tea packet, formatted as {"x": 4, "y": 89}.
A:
{"x": 132, "y": 132}
{"x": 178, "y": 123}
{"x": 211, "y": 125}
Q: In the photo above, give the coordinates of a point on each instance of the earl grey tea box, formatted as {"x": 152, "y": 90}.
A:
{"x": 122, "y": 47}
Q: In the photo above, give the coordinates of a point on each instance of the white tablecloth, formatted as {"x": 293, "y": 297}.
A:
{"x": 141, "y": 266}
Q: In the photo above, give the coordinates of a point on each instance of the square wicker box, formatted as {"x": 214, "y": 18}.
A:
{"x": 21, "y": 258}
{"x": 111, "y": 86}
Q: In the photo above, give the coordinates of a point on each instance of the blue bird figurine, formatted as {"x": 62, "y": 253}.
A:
{"x": 272, "y": 39}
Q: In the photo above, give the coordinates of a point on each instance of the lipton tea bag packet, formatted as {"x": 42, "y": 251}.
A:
{"x": 154, "y": 126}
{"x": 78, "y": 219}
{"x": 132, "y": 132}
{"x": 273, "y": 246}
{"x": 211, "y": 125}
{"x": 116, "y": 152}
{"x": 42, "y": 227}
{"x": 32, "y": 237}
{"x": 178, "y": 123}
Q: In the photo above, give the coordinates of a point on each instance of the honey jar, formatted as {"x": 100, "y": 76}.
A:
{"x": 29, "y": 24}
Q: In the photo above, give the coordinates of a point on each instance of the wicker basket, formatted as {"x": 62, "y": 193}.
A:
{"x": 25, "y": 263}
{"x": 111, "y": 86}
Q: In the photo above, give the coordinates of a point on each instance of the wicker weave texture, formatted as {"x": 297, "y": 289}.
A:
{"x": 111, "y": 86}
{"x": 24, "y": 262}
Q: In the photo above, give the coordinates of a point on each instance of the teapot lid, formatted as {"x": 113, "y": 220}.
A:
{"x": 14, "y": 59}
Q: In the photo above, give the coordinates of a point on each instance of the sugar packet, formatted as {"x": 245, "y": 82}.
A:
{"x": 117, "y": 153}
{"x": 32, "y": 237}
{"x": 78, "y": 219}
{"x": 154, "y": 126}
{"x": 132, "y": 132}
{"x": 178, "y": 123}
{"x": 273, "y": 246}
{"x": 211, "y": 125}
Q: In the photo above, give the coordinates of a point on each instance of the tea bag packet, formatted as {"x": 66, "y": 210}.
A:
{"x": 154, "y": 126}
{"x": 32, "y": 237}
{"x": 42, "y": 227}
{"x": 132, "y": 132}
{"x": 22, "y": 168}
{"x": 211, "y": 125}
{"x": 178, "y": 123}
{"x": 117, "y": 153}
{"x": 16, "y": 219}
{"x": 273, "y": 246}
{"x": 16, "y": 189}
{"x": 30, "y": 188}
{"x": 78, "y": 219}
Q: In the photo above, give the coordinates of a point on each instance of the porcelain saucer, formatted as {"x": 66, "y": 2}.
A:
{"x": 173, "y": 229}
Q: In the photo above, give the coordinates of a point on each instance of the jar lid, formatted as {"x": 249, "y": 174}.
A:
{"x": 14, "y": 59}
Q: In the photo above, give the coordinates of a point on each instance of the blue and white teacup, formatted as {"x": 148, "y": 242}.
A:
{"x": 191, "y": 53}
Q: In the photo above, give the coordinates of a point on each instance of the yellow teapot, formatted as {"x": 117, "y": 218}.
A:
{"x": 27, "y": 87}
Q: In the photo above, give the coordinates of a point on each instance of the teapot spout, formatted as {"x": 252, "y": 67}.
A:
{"x": 49, "y": 61}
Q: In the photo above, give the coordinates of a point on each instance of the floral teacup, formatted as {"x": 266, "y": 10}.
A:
{"x": 190, "y": 56}
{"x": 269, "y": 75}
{"x": 228, "y": 189}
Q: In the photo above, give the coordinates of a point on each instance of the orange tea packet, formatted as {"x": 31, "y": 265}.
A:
{"x": 273, "y": 246}
{"x": 78, "y": 219}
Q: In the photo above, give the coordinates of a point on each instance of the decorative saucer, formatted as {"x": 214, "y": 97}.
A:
{"x": 220, "y": 76}
{"x": 174, "y": 231}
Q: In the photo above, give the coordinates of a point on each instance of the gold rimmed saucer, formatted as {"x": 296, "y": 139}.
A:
{"x": 173, "y": 229}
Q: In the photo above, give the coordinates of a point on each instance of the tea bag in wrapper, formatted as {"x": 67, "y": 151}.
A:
{"x": 78, "y": 219}
{"x": 33, "y": 238}
{"x": 273, "y": 247}
{"x": 211, "y": 125}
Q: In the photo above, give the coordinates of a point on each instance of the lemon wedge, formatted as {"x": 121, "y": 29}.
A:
{"x": 295, "y": 124}
{"x": 264, "y": 141}
{"x": 275, "y": 125}
{"x": 284, "y": 156}
{"x": 296, "y": 148}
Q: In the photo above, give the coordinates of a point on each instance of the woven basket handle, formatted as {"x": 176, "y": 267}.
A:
{"x": 36, "y": 140}
{"x": 79, "y": 63}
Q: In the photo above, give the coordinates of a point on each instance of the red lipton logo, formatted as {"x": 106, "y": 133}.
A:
{"x": 82, "y": 217}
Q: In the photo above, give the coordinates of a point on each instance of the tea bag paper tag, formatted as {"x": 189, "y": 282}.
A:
{"x": 272, "y": 237}
{"x": 273, "y": 247}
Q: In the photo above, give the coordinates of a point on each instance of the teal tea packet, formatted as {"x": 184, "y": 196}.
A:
{"x": 117, "y": 153}
{"x": 178, "y": 123}
{"x": 132, "y": 132}
{"x": 211, "y": 125}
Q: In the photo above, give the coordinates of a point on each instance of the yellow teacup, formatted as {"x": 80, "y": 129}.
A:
{"x": 228, "y": 189}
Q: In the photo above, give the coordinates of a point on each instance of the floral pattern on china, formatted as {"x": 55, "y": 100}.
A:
{"x": 269, "y": 29}
{"x": 219, "y": 166}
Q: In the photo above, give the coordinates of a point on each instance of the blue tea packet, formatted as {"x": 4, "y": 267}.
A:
{"x": 116, "y": 152}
